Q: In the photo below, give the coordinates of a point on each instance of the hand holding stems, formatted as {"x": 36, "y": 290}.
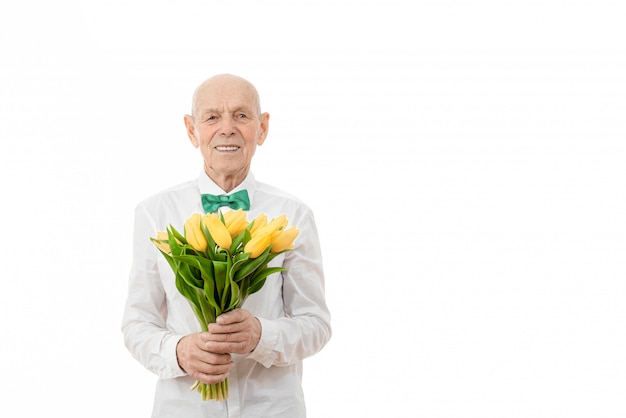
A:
{"x": 237, "y": 331}
{"x": 206, "y": 356}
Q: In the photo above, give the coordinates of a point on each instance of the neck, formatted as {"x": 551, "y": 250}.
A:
{"x": 227, "y": 182}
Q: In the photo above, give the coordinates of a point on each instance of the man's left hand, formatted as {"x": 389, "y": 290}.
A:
{"x": 237, "y": 331}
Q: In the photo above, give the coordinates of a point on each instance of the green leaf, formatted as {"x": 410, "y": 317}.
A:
{"x": 258, "y": 280}
{"x": 238, "y": 240}
{"x": 239, "y": 260}
{"x": 175, "y": 238}
{"x": 197, "y": 261}
{"x": 252, "y": 265}
{"x": 234, "y": 296}
{"x": 221, "y": 281}
{"x": 209, "y": 296}
{"x": 191, "y": 294}
{"x": 256, "y": 286}
{"x": 190, "y": 275}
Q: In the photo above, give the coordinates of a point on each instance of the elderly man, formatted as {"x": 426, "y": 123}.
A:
{"x": 259, "y": 347}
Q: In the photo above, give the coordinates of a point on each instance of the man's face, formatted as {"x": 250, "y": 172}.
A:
{"x": 227, "y": 127}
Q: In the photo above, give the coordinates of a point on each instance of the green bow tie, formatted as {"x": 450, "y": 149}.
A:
{"x": 239, "y": 200}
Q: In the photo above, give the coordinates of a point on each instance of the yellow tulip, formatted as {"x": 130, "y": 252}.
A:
{"x": 193, "y": 232}
{"x": 284, "y": 239}
{"x": 218, "y": 230}
{"x": 278, "y": 223}
{"x": 258, "y": 244}
{"x": 259, "y": 222}
{"x": 263, "y": 234}
{"x": 161, "y": 242}
{"x": 235, "y": 221}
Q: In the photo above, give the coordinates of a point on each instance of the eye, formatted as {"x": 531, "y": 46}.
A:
{"x": 241, "y": 116}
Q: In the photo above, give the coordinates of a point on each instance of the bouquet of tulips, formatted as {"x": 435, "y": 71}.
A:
{"x": 219, "y": 261}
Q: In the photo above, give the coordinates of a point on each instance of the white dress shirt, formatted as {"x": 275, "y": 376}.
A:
{"x": 291, "y": 307}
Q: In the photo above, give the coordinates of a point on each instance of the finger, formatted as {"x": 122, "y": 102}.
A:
{"x": 234, "y": 316}
{"x": 225, "y": 329}
{"x": 209, "y": 378}
{"x": 226, "y": 337}
{"x": 238, "y": 347}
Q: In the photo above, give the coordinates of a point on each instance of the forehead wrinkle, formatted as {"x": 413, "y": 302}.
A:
{"x": 223, "y": 110}
{"x": 213, "y": 88}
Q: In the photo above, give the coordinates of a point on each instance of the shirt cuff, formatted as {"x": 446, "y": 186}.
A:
{"x": 265, "y": 352}
{"x": 169, "y": 352}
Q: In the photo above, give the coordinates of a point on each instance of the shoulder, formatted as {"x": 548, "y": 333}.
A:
{"x": 172, "y": 202}
{"x": 274, "y": 201}
{"x": 274, "y": 192}
{"x": 276, "y": 195}
{"x": 171, "y": 193}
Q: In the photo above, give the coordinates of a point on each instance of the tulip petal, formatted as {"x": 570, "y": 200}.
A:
{"x": 218, "y": 230}
{"x": 193, "y": 233}
{"x": 284, "y": 240}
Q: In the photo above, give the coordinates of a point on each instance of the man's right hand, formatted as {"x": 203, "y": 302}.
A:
{"x": 202, "y": 365}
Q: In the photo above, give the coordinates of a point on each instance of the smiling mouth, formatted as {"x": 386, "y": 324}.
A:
{"x": 227, "y": 148}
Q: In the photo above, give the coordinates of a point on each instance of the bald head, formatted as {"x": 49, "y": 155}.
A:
{"x": 227, "y": 125}
{"x": 223, "y": 85}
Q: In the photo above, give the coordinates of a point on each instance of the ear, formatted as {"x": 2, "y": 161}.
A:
{"x": 191, "y": 130}
{"x": 265, "y": 126}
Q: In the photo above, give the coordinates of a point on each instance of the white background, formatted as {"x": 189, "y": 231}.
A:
{"x": 465, "y": 161}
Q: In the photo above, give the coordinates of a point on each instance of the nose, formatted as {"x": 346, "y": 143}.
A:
{"x": 227, "y": 127}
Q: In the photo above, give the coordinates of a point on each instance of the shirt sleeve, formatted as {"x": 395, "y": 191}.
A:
{"x": 305, "y": 328}
{"x": 144, "y": 320}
